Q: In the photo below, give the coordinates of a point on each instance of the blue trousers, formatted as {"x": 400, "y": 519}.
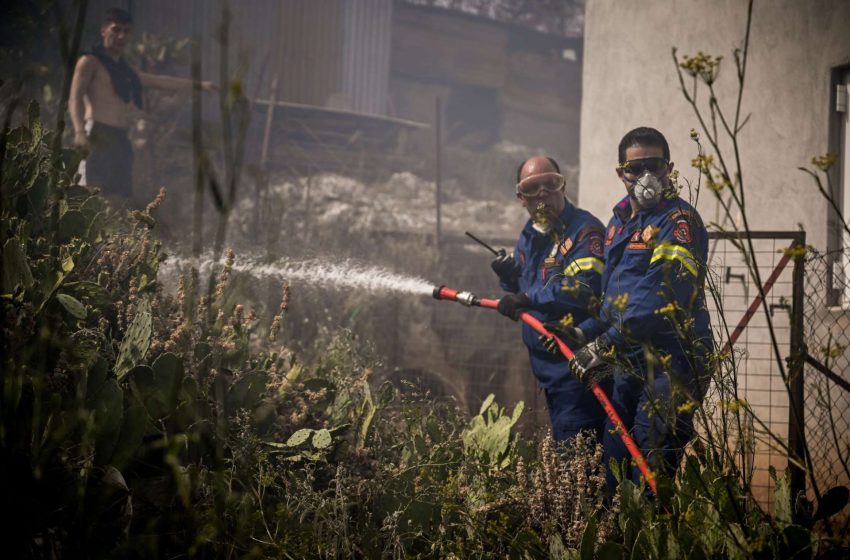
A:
{"x": 574, "y": 408}
{"x": 651, "y": 407}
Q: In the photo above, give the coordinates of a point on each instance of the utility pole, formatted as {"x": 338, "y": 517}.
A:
{"x": 438, "y": 173}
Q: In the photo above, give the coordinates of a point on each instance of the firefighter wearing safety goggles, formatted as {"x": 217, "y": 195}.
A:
{"x": 653, "y": 331}
{"x": 554, "y": 271}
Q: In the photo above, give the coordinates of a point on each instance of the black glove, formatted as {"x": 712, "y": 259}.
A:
{"x": 572, "y": 336}
{"x": 506, "y": 268}
{"x": 590, "y": 364}
{"x": 511, "y": 305}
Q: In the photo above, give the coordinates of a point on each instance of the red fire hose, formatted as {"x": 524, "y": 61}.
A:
{"x": 470, "y": 300}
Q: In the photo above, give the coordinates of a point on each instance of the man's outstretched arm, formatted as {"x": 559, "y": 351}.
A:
{"x": 82, "y": 79}
{"x": 159, "y": 81}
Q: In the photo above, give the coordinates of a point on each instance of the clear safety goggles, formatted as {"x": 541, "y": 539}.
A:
{"x": 535, "y": 185}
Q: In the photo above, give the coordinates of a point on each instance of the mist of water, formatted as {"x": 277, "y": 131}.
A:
{"x": 335, "y": 274}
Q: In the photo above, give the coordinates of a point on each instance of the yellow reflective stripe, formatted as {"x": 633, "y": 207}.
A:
{"x": 586, "y": 263}
{"x": 670, "y": 252}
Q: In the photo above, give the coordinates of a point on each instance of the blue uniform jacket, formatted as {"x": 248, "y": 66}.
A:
{"x": 653, "y": 285}
{"x": 568, "y": 283}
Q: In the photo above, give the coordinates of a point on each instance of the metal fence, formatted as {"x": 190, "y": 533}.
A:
{"x": 490, "y": 344}
{"x": 827, "y": 368}
{"x": 472, "y": 351}
{"x": 753, "y": 387}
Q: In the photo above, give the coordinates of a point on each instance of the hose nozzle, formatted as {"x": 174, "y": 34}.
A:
{"x": 464, "y": 298}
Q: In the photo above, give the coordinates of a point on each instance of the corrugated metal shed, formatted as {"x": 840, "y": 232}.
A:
{"x": 365, "y": 61}
{"x": 309, "y": 45}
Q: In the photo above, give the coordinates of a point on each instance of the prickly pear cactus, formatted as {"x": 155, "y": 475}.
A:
{"x": 296, "y": 448}
{"x": 299, "y": 437}
{"x": 108, "y": 407}
{"x": 246, "y": 392}
{"x": 89, "y": 293}
{"x": 72, "y": 305}
{"x": 158, "y": 388}
{"x": 96, "y": 377}
{"x": 133, "y": 430}
{"x": 322, "y": 439}
{"x": 168, "y": 378}
{"x": 136, "y": 341}
{"x": 73, "y": 223}
{"x": 16, "y": 271}
{"x": 489, "y": 433}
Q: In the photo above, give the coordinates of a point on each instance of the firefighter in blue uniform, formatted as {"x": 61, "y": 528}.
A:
{"x": 653, "y": 331}
{"x": 555, "y": 271}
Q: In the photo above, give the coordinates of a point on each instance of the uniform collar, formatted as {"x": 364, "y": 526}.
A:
{"x": 623, "y": 209}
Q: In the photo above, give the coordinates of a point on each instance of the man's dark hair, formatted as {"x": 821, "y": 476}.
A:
{"x": 521, "y": 165}
{"x": 117, "y": 15}
{"x": 642, "y": 136}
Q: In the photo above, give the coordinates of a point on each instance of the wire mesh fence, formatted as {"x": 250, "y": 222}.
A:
{"x": 478, "y": 351}
{"x": 827, "y": 369}
{"x": 751, "y": 391}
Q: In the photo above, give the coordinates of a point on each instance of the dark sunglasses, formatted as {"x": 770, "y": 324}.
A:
{"x": 654, "y": 165}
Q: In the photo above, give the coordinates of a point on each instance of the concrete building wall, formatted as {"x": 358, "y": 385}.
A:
{"x": 629, "y": 80}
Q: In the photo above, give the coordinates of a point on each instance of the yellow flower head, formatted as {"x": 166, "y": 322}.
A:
{"x": 620, "y": 302}
{"x": 825, "y": 161}
{"x": 704, "y": 66}
{"x": 687, "y": 406}
{"x": 703, "y": 162}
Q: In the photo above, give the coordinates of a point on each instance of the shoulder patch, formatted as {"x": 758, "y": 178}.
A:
{"x": 682, "y": 231}
{"x": 587, "y": 231}
{"x": 566, "y": 246}
{"x": 594, "y": 246}
{"x": 686, "y": 214}
{"x": 680, "y": 213}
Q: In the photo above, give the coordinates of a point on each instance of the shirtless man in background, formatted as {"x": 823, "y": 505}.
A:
{"x": 103, "y": 89}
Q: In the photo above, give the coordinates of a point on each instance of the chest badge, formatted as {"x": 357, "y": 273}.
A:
{"x": 636, "y": 241}
{"x": 609, "y": 237}
{"x": 566, "y": 246}
{"x": 649, "y": 234}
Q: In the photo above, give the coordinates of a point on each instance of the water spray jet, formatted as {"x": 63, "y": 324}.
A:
{"x": 316, "y": 272}
{"x": 470, "y": 300}
{"x": 348, "y": 274}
